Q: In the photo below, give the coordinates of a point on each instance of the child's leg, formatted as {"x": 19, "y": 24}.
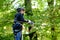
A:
{"x": 18, "y": 36}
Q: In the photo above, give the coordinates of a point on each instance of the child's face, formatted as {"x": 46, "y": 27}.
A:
{"x": 22, "y": 12}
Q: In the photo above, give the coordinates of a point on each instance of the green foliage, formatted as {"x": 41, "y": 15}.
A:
{"x": 6, "y": 36}
{"x": 41, "y": 19}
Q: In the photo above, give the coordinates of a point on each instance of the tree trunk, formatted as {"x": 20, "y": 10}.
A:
{"x": 52, "y": 19}
{"x": 28, "y": 7}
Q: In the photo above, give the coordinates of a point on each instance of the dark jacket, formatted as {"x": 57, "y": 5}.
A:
{"x": 19, "y": 19}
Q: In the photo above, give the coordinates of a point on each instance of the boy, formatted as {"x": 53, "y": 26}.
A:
{"x": 18, "y": 21}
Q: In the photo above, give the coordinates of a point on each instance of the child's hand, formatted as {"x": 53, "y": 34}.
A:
{"x": 30, "y": 22}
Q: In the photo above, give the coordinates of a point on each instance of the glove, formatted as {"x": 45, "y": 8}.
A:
{"x": 30, "y": 22}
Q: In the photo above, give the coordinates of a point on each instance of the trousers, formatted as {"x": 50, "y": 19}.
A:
{"x": 18, "y": 36}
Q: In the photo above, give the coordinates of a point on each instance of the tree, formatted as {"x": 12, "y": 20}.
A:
{"x": 52, "y": 19}
{"x": 28, "y": 7}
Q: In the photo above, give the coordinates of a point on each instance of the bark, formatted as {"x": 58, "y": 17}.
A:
{"x": 52, "y": 19}
{"x": 28, "y": 7}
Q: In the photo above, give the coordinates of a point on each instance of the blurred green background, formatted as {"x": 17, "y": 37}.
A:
{"x": 44, "y": 13}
